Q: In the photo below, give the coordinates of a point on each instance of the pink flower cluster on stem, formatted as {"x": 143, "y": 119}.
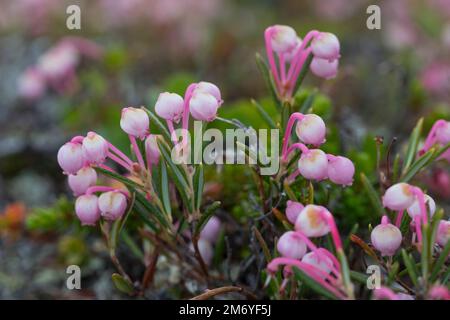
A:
{"x": 285, "y": 49}
{"x": 314, "y": 164}
{"x": 319, "y": 264}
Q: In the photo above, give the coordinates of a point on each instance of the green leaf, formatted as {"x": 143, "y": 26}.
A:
{"x": 165, "y": 189}
{"x": 122, "y": 284}
{"x": 206, "y": 216}
{"x": 412, "y": 145}
{"x": 144, "y": 216}
{"x": 396, "y": 168}
{"x": 262, "y": 66}
{"x": 157, "y": 122}
{"x": 393, "y": 272}
{"x": 119, "y": 178}
{"x": 410, "y": 267}
{"x": 124, "y": 220}
{"x": 438, "y": 266}
{"x": 176, "y": 174}
{"x": 198, "y": 185}
{"x": 418, "y": 165}
{"x": 153, "y": 209}
{"x": 303, "y": 73}
{"x": 310, "y": 283}
{"x": 132, "y": 245}
{"x": 345, "y": 270}
{"x": 264, "y": 114}
{"x": 373, "y": 195}
{"x": 358, "y": 276}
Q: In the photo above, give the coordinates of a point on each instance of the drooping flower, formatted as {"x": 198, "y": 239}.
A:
{"x": 135, "y": 122}
{"x": 211, "y": 88}
{"x": 211, "y": 230}
{"x": 291, "y": 246}
{"x": 293, "y": 209}
{"x": 203, "y": 106}
{"x": 70, "y": 157}
{"x": 313, "y": 165}
{"x": 386, "y": 238}
{"x": 443, "y": 234}
{"x": 95, "y": 148}
{"x": 311, "y": 130}
{"x": 170, "y": 106}
{"x": 340, "y": 170}
{"x": 82, "y": 180}
{"x": 324, "y": 68}
{"x": 320, "y": 262}
{"x": 112, "y": 205}
{"x": 86, "y": 208}
{"x": 398, "y": 197}
{"x": 283, "y": 38}
{"x": 311, "y": 221}
{"x": 326, "y": 46}
{"x": 151, "y": 148}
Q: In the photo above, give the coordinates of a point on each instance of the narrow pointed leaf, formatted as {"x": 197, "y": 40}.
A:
{"x": 412, "y": 145}
{"x": 374, "y": 197}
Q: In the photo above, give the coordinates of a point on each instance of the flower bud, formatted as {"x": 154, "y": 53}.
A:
{"x": 311, "y": 221}
{"x": 313, "y": 165}
{"x": 324, "y": 68}
{"x": 319, "y": 261}
{"x": 112, "y": 205}
{"x": 135, "y": 122}
{"x": 326, "y": 46}
{"x": 211, "y": 230}
{"x": 386, "y": 238}
{"x": 398, "y": 197}
{"x": 211, "y": 88}
{"x": 169, "y": 106}
{"x": 443, "y": 133}
{"x": 340, "y": 170}
{"x": 311, "y": 130}
{"x": 293, "y": 209}
{"x": 291, "y": 246}
{"x": 152, "y": 150}
{"x": 283, "y": 38}
{"x": 86, "y": 208}
{"x": 443, "y": 234}
{"x": 414, "y": 209}
{"x": 203, "y": 106}
{"x": 95, "y": 148}
{"x": 70, "y": 157}
{"x": 80, "y": 182}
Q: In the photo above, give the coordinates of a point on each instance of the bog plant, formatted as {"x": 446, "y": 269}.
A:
{"x": 162, "y": 199}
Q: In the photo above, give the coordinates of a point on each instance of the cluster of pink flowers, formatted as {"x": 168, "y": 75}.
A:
{"x": 56, "y": 67}
{"x": 438, "y": 135}
{"x": 314, "y": 164}
{"x": 387, "y": 238}
{"x": 81, "y": 155}
{"x": 311, "y": 221}
{"x": 284, "y": 48}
